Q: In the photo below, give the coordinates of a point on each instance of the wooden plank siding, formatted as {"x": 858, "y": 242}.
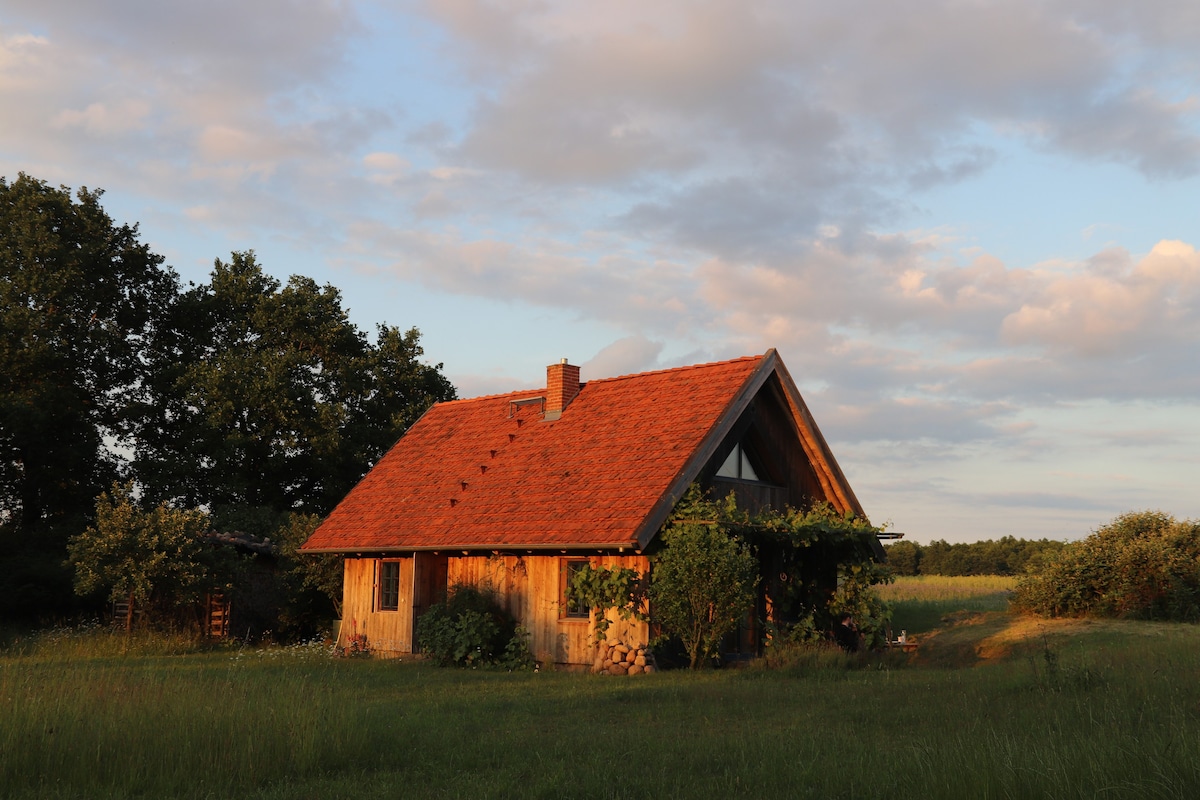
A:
{"x": 387, "y": 632}
{"x": 527, "y": 586}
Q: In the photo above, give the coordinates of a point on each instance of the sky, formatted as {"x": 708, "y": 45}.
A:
{"x": 970, "y": 228}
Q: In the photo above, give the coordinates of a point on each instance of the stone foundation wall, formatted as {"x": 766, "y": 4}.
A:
{"x": 614, "y": 658}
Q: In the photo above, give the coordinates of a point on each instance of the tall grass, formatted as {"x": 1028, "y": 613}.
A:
{"x": 202, "y": 724}
{"x": 944, "y": 587}
{"x": 1117, "y": 715}
{"x": 920, "y": 603}
{"x": 94, "y": 640}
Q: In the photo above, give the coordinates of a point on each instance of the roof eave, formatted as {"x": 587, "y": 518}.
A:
{"x": 470, "y": 548}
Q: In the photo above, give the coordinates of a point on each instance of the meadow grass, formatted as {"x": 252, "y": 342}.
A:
{"x": 920, "y": 603}
{"x": 1012, "y": 708}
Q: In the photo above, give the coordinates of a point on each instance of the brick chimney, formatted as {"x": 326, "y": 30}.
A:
{"x": 562, "y": 385}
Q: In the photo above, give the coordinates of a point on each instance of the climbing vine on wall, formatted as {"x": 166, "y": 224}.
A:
{"x": 604, "y": 588}
{"x": 815, "y": 567}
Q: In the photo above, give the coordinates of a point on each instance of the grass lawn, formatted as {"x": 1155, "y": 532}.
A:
{"x": 990, "y": 706}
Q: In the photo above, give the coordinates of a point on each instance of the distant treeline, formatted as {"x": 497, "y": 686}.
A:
{"x": 1005, "y": 556}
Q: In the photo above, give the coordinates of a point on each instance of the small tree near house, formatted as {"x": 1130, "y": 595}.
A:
{"x": 703, "y": 581}
{"x": 138, "y": 554}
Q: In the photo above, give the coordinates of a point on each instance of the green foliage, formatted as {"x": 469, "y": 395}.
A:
{"x": 856, "y": 599}
{"x": 136, "y": 554}
{"x": 815, "y": 568}
{"x": 321, "y": 572}
{"x": 703, "y": 580}
{"x": 605, "y": 588}
{"x": 904, "y": 558}
{"x": 819, "y": 569}
{"x": 241, "y": 393}
{"x": 517, "y": 655}
{"x": 470, "y": 629}
{"x": 267, "y": 396}
{"x": 80, "y": 298}
{"x": 1004, "y": 556}
{"x": 1142, "y": 565}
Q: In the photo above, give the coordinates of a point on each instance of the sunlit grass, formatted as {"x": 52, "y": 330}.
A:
{"x": 944, "y": 587}
{"x": 1113, "y": 710}
{"x": 920, "y": 603}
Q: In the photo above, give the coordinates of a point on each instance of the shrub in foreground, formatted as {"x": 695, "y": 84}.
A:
{"x": 470, "y": 629}
{"x": 1143, "y": 565}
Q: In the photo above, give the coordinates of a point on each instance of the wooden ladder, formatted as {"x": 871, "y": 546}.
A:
{"x": 217, "y": 615}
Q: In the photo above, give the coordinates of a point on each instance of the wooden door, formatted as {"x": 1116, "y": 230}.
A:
{"x": 429, "y": 587}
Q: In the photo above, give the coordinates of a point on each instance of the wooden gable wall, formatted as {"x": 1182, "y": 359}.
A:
{"x": 768, "y": 429}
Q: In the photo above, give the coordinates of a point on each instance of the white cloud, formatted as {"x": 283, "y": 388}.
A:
{"x": 1155, "y": 303}
{"x": 385, "y": 168}
{"x": 695, "y": 180}
{"x": 99, "y": 119}
{"x": 628, "y": 355}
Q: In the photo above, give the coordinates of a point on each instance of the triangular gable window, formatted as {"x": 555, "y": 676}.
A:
{"x": 737, "y": 465}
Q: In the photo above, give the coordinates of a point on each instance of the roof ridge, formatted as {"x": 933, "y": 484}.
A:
{"x": 519, "y": 392}
{"x": 538, "y": 392}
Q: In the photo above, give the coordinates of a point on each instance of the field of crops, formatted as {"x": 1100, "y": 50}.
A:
{"x": 919, "y": 603}
{"x": 990, "y": 705}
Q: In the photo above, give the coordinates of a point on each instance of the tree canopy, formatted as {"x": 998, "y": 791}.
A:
{"x": 267, "y": 396}
{"x": 1004, "y": 556}
{"x": 80, "y": 300}
{"x": 704, "y": 579}
{"x": 248, "y": 398}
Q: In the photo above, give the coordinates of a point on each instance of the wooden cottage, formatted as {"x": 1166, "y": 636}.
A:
{"x": 516, "y": 490}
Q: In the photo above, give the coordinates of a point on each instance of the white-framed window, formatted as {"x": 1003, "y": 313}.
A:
{"x": 737, "y": 465}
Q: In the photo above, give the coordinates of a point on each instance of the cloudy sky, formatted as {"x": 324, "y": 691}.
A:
{"x": 970, "y": 228}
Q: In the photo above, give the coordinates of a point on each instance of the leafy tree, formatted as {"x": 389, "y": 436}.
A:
{"x": 80, "y": 299}
{"x": 138, "y": 555}
{"x": 904, "y": 558}
{"x": 239, "y": 395}
{"x": 1143, "y": 564}
{"x": 703, "y": 580}
{"x": 1005, "y": 556}
{"x": 267, "y": 396}
{"x": 305, "y": 572}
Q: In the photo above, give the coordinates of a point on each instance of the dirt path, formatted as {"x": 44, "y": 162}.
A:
{"x": 968, "y": 639}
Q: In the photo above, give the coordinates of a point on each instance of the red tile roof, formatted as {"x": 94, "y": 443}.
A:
{"x": 491, "y": 473}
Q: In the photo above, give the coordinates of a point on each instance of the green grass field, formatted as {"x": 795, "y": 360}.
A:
{"x": 920, "y": 603}
{"x": 991, "y": 706}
